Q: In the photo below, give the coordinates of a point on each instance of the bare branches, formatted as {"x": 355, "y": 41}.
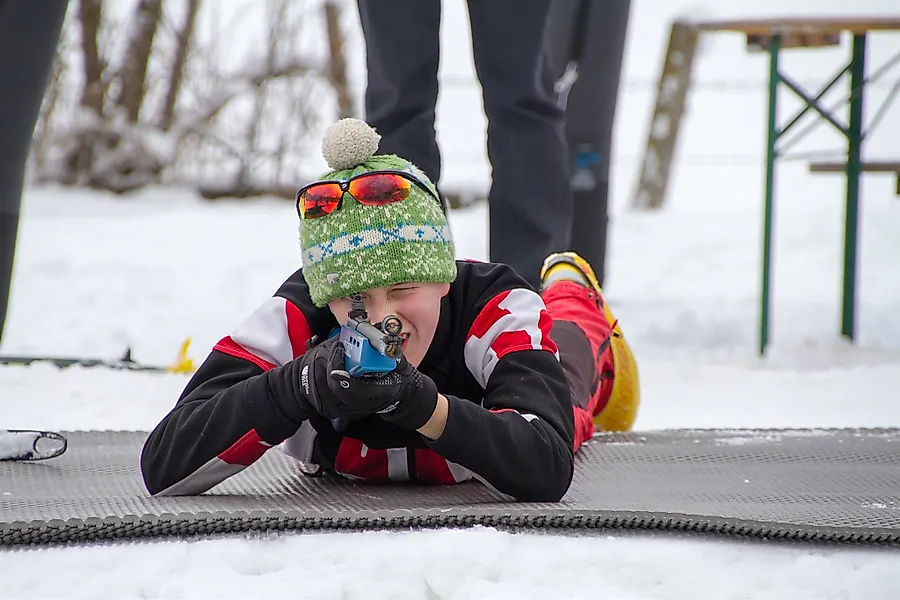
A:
{"x": 251, "y": 80}
{"x": 227, "y": 111}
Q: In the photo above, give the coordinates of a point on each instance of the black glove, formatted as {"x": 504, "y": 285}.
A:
{"x": 404, "y": 396}
{"x": 311, "y": 370}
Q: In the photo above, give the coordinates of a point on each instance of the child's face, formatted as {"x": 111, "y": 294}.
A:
{"x": 417, "y": 305}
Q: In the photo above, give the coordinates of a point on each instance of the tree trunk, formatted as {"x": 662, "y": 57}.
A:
{"x": 182, "y": 47}
{"x": 132, "y": 77}
{"x": 90, "y": 14}
{"x": 337, "y": 65}
{"x": 80, "y": 156}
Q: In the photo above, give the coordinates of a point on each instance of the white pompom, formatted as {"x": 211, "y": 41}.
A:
{"x": 348, "y": 143}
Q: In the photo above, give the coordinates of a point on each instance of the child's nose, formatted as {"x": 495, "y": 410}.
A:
{"x": 379, "y": 312}
{"x": 377, "y": 316}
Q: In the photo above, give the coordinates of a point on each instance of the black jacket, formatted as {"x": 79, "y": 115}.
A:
{"x": 510, "y": 422}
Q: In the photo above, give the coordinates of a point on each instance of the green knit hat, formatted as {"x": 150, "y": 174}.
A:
{"x": 358, "y": 247}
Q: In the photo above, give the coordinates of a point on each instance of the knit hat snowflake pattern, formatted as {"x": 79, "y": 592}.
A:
{"x": 357, "y": 248}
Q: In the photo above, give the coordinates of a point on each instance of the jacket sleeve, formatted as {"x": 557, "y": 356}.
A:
{"x": 520, "y": 439}
{"x": 239, "y": 403}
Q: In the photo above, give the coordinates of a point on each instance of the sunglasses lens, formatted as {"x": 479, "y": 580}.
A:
{"x": 320, "y": 200}
{"x": 378, "y": 189}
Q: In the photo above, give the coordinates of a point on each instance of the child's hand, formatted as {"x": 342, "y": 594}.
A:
{"x": 314, "y": 388}
{"x": 404, "y": 396}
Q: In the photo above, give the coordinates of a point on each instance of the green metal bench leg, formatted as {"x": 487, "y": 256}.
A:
{"x": 854, "y": 145}
{"x": 774, "y": 80}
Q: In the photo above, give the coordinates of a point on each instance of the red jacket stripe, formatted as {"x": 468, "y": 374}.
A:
{"x": 229, "y": 346}
{"x": 356, "y": 460}
{"x": 431, "y": 467}
{"x": 545, "y": 324}
{"x": 511, "y": 321}
{"x": 489, "y": 315}
{"x": 246, "y": 451}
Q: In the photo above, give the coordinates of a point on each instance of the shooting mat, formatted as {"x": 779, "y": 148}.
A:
{"x": 814, "y": 485}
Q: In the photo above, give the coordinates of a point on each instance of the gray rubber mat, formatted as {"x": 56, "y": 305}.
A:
{"x": 820, "y": 485}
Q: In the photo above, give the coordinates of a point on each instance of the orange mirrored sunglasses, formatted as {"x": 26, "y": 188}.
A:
{"x": 375, "y": 188}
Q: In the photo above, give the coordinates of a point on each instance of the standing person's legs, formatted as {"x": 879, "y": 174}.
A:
{"x": 402, "y": 53}
{"x": 29, "y": 34}
{"x": 590, "y": 110}
{"x": 530, "y": 201}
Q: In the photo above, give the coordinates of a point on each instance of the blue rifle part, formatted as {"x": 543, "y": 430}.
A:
{"x": 369, "y": 350}
{"x": 364, "y": 355}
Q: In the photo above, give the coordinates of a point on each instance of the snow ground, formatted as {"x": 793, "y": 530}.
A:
{"x": 148, "y": 273}
{"x": 95, "y": 274}
{"x": 454, "y": 564}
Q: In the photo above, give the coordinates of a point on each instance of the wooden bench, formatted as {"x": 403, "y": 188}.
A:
{"x": 773, "y": 35}
{"x": 880, "y": 166}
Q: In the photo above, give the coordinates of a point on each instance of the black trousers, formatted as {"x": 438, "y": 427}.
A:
{"x": 29, "y": 33}
{"x": 590, "y": 110}
{"x": 530, "y": 203}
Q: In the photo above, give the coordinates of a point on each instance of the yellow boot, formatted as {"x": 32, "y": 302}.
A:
{"x": 621, "y": 410}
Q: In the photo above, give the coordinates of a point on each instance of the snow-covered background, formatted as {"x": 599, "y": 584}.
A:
{"x": 96, "y": 273}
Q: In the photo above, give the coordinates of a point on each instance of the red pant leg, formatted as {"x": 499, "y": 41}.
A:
{"x": 581, "y": 331}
